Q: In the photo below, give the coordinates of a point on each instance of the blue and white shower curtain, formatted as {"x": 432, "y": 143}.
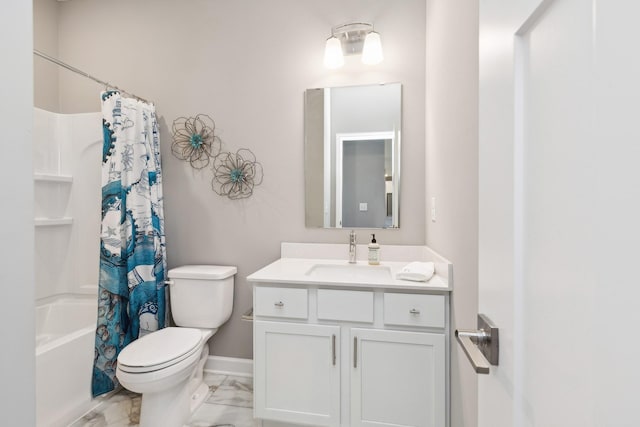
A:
{"x": 131, "y": 293}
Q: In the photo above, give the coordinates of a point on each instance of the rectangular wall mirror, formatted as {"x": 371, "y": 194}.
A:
{"x": 352, "y": 156}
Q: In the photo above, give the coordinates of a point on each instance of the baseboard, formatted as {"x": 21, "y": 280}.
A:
{"x": 229, "y": 366}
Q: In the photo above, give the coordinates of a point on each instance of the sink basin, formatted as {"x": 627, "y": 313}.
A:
{"x": 350, "y": 273}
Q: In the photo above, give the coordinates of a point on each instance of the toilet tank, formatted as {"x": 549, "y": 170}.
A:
{"x": 201, "y": 295}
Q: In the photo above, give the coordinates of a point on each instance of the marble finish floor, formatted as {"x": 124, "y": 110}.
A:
{"x": 230, "y": 401}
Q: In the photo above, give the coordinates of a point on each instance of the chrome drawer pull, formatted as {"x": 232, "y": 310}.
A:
{"x": 414, "y": 311}
{"x": 279, "y": 304}
{"x": 355, "y": 352}
{"x": 333, "y": 349}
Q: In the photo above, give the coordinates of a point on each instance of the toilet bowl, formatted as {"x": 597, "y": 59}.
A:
{"x": 166, "y": 366}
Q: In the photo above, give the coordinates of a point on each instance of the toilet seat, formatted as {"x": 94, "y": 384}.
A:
{"x": 160, "y": 349}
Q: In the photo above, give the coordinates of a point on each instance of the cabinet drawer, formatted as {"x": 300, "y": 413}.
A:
{"x": 350, "y": 306}
{"x": 414, "y": 310}
{"x": 281, "y": 302}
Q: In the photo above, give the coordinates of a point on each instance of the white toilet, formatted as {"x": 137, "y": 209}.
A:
{"x": 166, "y": 366}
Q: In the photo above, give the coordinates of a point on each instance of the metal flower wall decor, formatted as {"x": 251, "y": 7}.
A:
{"x": 195, "y": 141}
{"x": 236, "y": 174}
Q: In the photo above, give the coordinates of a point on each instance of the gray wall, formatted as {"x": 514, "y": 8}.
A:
{"x": 452, "y": 173}
{"x": 17, "y": 323}
{"x": 246, "y": 63}
{"x": 45, "y": 39}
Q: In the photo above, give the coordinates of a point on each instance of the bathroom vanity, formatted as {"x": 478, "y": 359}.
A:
{"x": 339, "y": 344}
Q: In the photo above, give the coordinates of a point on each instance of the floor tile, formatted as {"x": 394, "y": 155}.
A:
{"x": 120, "y": 409}
{"x": 214, "y": 380}
{"x": 212, "y": 414}
{"x": 230, "y": 402}
{"x": 234, "y": 391}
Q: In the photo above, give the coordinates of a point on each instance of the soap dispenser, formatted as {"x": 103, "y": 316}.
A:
{"x": 374, "y": 251}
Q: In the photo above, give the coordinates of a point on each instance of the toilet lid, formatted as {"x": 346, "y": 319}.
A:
{"x": 159, "y": 349}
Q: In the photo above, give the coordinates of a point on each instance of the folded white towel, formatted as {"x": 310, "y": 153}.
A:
{"x": 416, "y": 271}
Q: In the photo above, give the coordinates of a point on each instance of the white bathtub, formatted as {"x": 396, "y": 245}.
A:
{"x": 65, "y": 337}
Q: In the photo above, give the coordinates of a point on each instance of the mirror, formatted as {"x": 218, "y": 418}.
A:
{"x": 352, "y": 156}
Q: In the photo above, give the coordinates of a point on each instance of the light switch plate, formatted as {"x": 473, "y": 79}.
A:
{"x": 364, "y": 207}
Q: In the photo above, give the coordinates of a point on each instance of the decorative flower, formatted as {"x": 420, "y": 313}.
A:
{"x": 235, "y": 174}
{"x": 194, "y": 140}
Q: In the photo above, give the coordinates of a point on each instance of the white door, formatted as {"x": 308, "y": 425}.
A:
{"x": 560, "y": 212}
{"x": 297, "y": 373}
{"x": 397, "y": 379}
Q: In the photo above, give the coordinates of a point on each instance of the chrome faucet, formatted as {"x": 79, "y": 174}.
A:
{"x": 352, "y": 247}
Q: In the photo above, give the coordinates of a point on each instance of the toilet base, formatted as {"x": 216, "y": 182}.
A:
{"x": 199, "y": 396}
{"x": 170, "y": 408}
{"x": 174, "y": 406}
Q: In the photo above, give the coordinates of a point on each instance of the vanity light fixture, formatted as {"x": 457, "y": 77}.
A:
{"x": 372, "y": 50}
{"x": 351, "y": 39}
{"x": 333, "y": 53}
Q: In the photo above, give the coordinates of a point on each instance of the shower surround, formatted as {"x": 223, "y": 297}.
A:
{"x": 67, "y": 153}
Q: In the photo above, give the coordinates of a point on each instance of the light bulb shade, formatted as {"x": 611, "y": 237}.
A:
{"x": 372, "y": 50}
{"x": 333, "y": 53}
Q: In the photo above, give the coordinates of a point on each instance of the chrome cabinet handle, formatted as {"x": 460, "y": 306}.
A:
{"x": 279, "y": 304}
{"x": 414, "y": 311}
{"x": 333, "y": 349}
{"x": 355, "y": 352}
{"x": 480, "y": 345}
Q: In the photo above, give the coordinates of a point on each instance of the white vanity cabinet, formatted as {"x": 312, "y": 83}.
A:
{"x": 398, "y": 378}
{"x": 297, "y": 373}
{"x": 350, "y": 356}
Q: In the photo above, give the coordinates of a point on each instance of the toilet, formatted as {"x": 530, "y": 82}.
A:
{"x": 167, "y": 365}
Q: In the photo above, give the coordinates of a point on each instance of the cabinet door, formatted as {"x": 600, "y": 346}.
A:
{"x": 397, "y": 378}
{"x": 297, "y": 373}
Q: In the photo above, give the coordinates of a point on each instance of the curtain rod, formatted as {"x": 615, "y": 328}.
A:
{"x": 87, "y": 75}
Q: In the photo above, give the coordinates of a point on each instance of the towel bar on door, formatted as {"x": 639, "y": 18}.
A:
{"x": 248, "y": 316}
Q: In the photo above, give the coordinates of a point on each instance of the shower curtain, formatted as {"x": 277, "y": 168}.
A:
{"x": 131, "y": 291}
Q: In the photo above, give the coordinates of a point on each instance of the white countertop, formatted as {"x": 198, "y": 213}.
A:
{"x": 296, "y": 271}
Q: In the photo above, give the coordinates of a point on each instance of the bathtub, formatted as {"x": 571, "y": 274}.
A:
{"x": 65, "y": 337}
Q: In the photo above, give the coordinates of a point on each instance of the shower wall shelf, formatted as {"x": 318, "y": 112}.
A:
{"x": 51, "y": 222}
{"x": 52, "y": 177}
